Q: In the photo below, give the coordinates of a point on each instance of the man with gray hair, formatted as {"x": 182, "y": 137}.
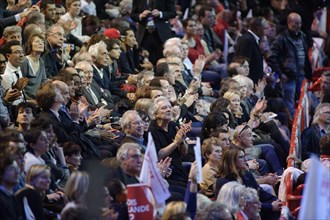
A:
{"x": 310, "y": 137}
{"x": 134, "y": 127}
{"x": 94, "y": 94}
{"x": 53, "y": 58}
{"x": 13, "y": 33}
{"x": 129, "y": 158}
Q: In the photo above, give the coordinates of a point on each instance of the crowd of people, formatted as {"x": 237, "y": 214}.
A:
{"x": 83, "y": 82}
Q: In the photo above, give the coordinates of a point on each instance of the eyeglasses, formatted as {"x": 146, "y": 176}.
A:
{"x": 137, "y": 123}
{"x": 18, "y": 52}
{"x": 243, "y": 129}
{"x": 116, "y": 48}
{"x": 135, "y": 156}
{"x": 58, "y": 34}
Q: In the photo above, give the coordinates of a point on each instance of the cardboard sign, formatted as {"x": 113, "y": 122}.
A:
{"x": 138, "y": 204}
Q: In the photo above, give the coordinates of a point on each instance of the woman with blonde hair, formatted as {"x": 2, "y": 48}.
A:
{"x": 32, "y": 195}
{"x": 174, "y": 208}
{"x": 234, "y": 105}
{"x": 144, "y": 105}
{"x": 76, "y": 189}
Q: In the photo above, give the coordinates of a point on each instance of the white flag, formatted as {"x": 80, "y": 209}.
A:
{"x": 315, "y": 203}
{"x": 150, "y": 174}
{"x": 198, "y": 158}
{"x": 226, "y": 48}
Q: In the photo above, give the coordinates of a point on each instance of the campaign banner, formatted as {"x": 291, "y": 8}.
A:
{"x": 315, "y": 203}
{"x": 139, "y": 204}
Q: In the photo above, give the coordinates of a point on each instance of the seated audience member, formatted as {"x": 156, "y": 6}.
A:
{"x": 169, "y": 141}
{"x": 233, "y": 167}
{"x": 76, "y": 189}
{"x": 72, "y": 154}
{"x": 118, "y": 192}
{"x": 73, "y": 10}
{"x": 95, "y": 95}
{"x": 33, "y": 66}
{"x": 101, "y": 74}
{"x": 310, "y": 137}
{"x": 9, "y": 178}
{"x": 12, "y": 33}
{"x": 217, "y": 210}
{"x": 32, "y": 196}
{"x": 233, "y": 195}
{"x": 133, "y": 126}
{"x": 25, "y": 113}
{"x": 54, "y": 56}
{"x": 211, "y": 151}
{"x": 54, "y": 157}
{"x": 12, "y": 79}
{"x": 129, "y": 158}
{"x": 50, "y": 99}
{"x": 252, "y": 207}
{"x": 243, "y": 139}
{"x": 37, "y": 145}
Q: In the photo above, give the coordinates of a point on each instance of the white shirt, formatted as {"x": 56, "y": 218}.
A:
{"x": 255, "y": 36}
{"x": 30, "y": 159}
{"x": 88, "y": 8}
{"x": 77, "y": 32}
{"x": 9, "y": 78}
{"x": 100, "y": 71}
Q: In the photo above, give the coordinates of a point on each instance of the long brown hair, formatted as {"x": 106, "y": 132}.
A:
{"x": 227, "y": 165}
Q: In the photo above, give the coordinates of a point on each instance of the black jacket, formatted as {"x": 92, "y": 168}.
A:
{"x": 310, "y": 141}
{"x": 283, "y": 57}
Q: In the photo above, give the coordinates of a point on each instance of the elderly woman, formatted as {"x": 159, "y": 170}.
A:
{"x": 30, "y": 198}
{"x": 212, "y": 152}
{"x": 252, "y": 207}
{"x": 233, "y": 195}
{"x": 169, "y": 141}
{"x": 33, "y": 66}
{"x": 233, "y": 167}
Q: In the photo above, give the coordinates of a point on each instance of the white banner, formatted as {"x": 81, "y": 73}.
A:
{"x": 151, "y": 176}
{"x": 315, "y": 203}
{"x": 198, "y": 158}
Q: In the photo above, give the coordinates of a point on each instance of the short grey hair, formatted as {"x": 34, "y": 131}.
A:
{"x": 155, "y": 104}
{"x": 122, "y": 153}
{"x": 94, "y": 49}
{"x": 230, "y": 194}
{"x": 125, "y": 119}
{"x": 12, "y": 30}
{"x": 251, "y": 194}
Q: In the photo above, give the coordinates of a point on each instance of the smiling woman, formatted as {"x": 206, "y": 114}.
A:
{"x": 29, "y": 198}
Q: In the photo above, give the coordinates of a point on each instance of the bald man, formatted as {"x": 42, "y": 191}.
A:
{"x": 289, "y": 59}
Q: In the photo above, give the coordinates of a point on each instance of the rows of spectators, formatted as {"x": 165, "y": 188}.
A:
{"x": 83, "y": 82}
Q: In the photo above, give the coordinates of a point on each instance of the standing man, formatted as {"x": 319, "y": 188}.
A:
{"x": 289, "y": 59}
{"x": 154, "y": 27}
{"x": 248, "y": 46}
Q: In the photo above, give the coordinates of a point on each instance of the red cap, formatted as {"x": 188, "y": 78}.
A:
{"x": 112, "y": 33}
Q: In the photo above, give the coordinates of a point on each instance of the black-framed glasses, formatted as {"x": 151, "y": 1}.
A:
{"x": 243, "y": 129}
